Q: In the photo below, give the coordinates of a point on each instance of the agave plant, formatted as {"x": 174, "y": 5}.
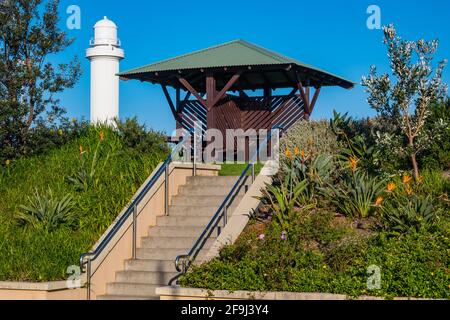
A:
{"x": 409, "y": 213}
{"x": 46, "y": 212}
{"x": 317, "y": 172}
{"x": 358, "y": 195}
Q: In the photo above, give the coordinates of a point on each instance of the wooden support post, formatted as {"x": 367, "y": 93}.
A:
{"x": 171, "y": 104}
{"x": 178, "y": 108}
{"x": 210, "y": 91}
{"x": 314, "y": 100}
{"x": 210, "y": 97}
{"x": 305, "y": 100}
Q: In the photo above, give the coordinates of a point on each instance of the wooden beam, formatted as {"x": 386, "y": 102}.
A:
{"x": 171, "y": 105}
{"x": 314, "y": 100}
{"x": 226, "y": 88}
{"x": 303, "y": 96}
{"x": 308, "y": 94}
{"x": 194, "y": 92}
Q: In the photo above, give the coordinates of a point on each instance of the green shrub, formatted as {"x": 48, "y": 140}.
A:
{"x": 437, "y": 154}
{"x": 358, "y": 195}
{"x": 434, "y": 184}
{"x": 135, "y": 137}
{"x": 410, "y": 213}
{"x": 313, "y": 137}
{"x": 42, "y": 138}
{"x": 356, "y": 138}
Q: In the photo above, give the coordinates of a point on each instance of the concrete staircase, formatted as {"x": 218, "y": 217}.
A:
{"x": 189, "y": 213}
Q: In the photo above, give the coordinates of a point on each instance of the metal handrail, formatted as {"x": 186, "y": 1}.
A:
{"x": 87, "y": 258}
{"x": 183, "y": 262}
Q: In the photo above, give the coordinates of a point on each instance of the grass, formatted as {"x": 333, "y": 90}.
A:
{"x": 99, "y": 172}
{"x": 232, "y": 169}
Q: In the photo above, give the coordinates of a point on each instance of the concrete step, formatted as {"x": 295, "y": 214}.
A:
{"x": 164, "y": 254}
{"x": 175, "y": 221}
{"x": 202, "y": 211}
{"x": 209, "y": 201}
{"x": 212, "y": 181}
{"x": 197, "y": 200}
{"x": 212, "y": 190}
{"x": 150, "y": 265}
{"x": 124, "y": 298}
{"x": 131, "y": 289}
{"x": 161, "y": 278}
{"x": 171, "y": 242}
{"x": 176, "y": 232}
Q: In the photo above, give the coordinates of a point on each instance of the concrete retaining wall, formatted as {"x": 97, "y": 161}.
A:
{"x": 179, "y": 293}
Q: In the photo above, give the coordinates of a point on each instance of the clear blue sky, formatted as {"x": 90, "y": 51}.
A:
{"x": 328, "y": 34}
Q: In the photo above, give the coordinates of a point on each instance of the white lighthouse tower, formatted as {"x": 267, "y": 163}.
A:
{"x": 105, "y": 54}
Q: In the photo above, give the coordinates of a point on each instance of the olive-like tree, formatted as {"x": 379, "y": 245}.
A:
{"x": 405, "y": 103}
{"x": 29, "y": 81}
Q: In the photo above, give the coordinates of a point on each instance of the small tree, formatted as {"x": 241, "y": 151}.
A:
{"x": 405, "y": 104}
{"x": 29, "y": 34}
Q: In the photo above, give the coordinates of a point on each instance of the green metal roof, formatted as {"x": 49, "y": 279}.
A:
{"x": 235, "y": 54}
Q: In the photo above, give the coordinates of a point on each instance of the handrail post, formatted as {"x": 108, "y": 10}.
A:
{"x": 253, "y": 173}
{"x": 194, "y": 162}
{"x": 88, "y": 280}
{"x": 225, "y": 216}
{"x": 166, "y": 191}
{"x": 134, "y": 248}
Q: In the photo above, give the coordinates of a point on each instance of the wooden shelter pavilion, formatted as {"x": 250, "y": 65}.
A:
{"x": 219, "y": 80}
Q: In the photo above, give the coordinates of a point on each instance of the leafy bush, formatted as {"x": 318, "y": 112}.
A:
{"x": 437, "y": 154}
{"x": 356, "y": 138}
{"x": 312, "y": 137}
{"x": 135, "y": 137}
{"x": 410, "y": 213}
{"x": 357, "y": 196}
{"x": 42, "y": 138}
{"x": 46, "y": 212}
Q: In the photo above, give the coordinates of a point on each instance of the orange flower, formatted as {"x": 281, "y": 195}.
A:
{"x": 407, "y": 179}
{"x": 102, "y": 136}
{"x": 391, "y": 187}
{"x": 409, "y": 191}
{"x": 303, "y": 154}
{"x": 379, "y": 201}
{"x": 297, "y": 151}
{"x": 353, "y": 163}
{"x": 288, "y": 153}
